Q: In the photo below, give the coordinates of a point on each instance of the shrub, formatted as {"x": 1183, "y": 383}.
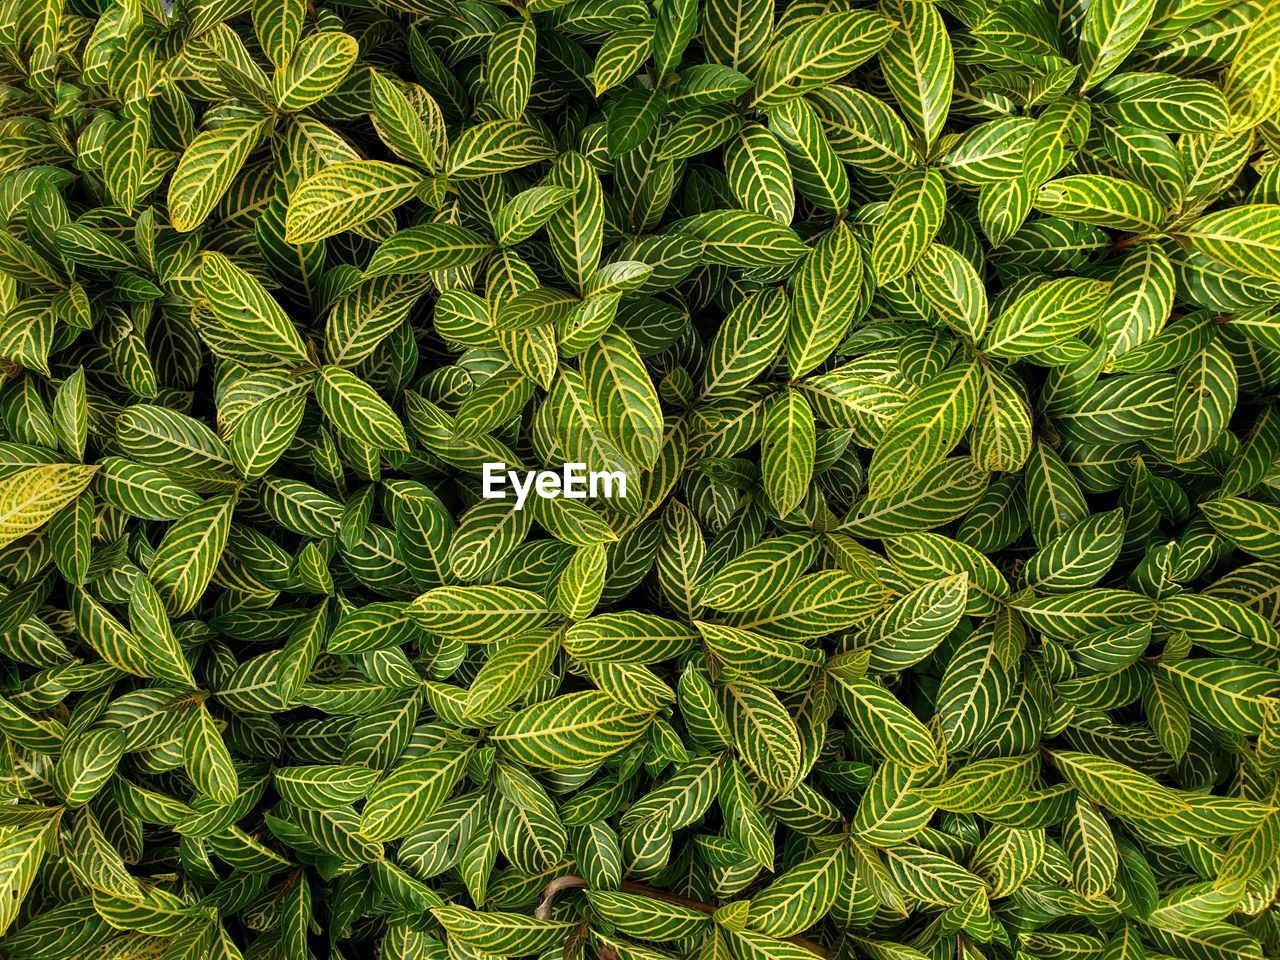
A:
{"x": 936, "y": 347}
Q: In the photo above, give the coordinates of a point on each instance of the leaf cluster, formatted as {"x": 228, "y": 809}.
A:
{"x": 938, "y": 344}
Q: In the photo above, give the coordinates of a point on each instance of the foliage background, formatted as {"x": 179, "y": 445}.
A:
{"x": 938, "y": 343}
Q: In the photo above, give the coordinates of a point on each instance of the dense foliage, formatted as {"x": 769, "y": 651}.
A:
{"x": 938, "y": 346}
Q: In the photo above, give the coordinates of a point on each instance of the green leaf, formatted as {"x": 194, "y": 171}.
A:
{"x": 1090, "y": 845}
{"x": 819, "y": 51}
{"x": 885, "y": 724}
{"x": 627, "y": 637}
{"x": 954, "y": 289}
{"x": 160, "y": 437}
{"x": 323, "y": 786}
{"x": 775, "y": 664}
{"x": 208, "y": 166}
{"x": 96, "y": 863}
{"x": 315, "y": 69}
{"x": 366, "y": 316}
{"x": 1002, "y": 435}
{"x": 522, "y": 215}
{"x": 925, "y": 429}
{"x": 621, "y": 54}
{"x": 863, "y": 131}
{"x": 344, "y": 196}
{"x": 759, "y": 573}
{"x": 1250, "y": 525}
{"x": 787, "y": 450}
{"x": 425, "y": 249}
{"x": 157, "y": 644}
{"x": 737, "y": 238}
{"x": 1204, "y": 400}
{"x": 1078, "y": 557}
{"x": 1058, "y": 132}
{"x": 244, "y": 309}
{"x": 1045, "y": 316}
{"x": 1140, "y": 299}
{"x": 501, "y": 934}
{"x": 746, "y": 343}
{"x": 1161, "y": 102}
{"x": 1102, "y": 201}
{"x": 1249, "y": 85}
{"x": 495, "y": 147}
{"x": 22, "y": 850}
{"x": 1087, "y": 611}
{"x": 1246, "y": 238}
{"x": 30, "y": 498}
{"x": 982, "y": 785}
{"x": 569, "y": 731}
{"x": 405, "y": 798}
{"x": 764, "y": 733}
{"x": 647, "y": 917}
{"x": 1108, "y": 34}
{"x": 812, "y": 606}
{"x": 826, "y": 297}
{"x": 1115, "y": 786}
{"x": 414, "y": 131}
{"x": 510, "y": 63}
{"x": 975, "y": 688}
{"x": 511, "y": 671}
{"x": 207, "y": 759}
{"x": 624, "y": 397}
{"x": 479, "y": 614}
{"x": 916, "y": 623}
{"x": 357, "y": 411}
{"x": 278, "y": 27}
{"x": 736, "y": 32}
{"x": 674, "y": 27}
{"x": 800, "y": 897}
{"x": 918, "y": 67}
{"x": 818, "y": 173}
{"x": 1230, "y": 694}
{"x": 185, "y": 561}
{"x": 929, "y": 876}
{"x": 87, "y": 763}
{"x": 760, "y": 174}
{"x": 910, "y": 222}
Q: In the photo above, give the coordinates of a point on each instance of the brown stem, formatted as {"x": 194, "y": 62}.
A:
{"x": 552, "y": 890}
{"x": 574, "y": 882}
